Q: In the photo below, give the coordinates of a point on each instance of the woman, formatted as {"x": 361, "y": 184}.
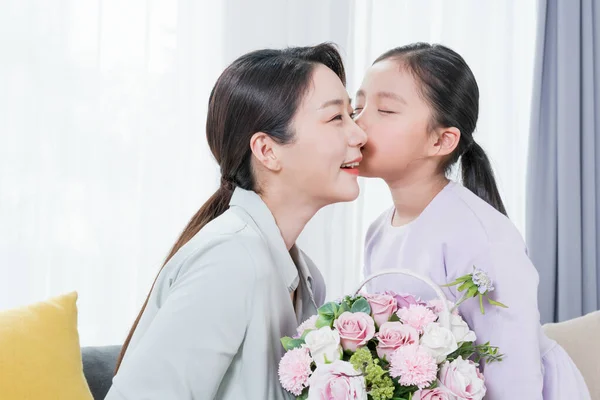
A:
{"x": 279, "y": 126}
{"x": 419, "y": 105}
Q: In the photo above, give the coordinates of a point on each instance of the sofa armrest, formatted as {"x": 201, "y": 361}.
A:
{"x": 579, "y": 337}
{"x": 99, "y": 367}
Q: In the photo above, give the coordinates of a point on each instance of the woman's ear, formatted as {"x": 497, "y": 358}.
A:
{"x": 264, "y": 149}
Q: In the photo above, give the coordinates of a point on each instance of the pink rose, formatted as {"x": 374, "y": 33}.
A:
{"x": 355, "y": 329}
{"x": 413, "y": 366}
{"x": 462, "y": 379}
{"x": 405, "y": 300}
{"x": 432, "y": 394}
{"x": 383, "y": 306}
{"x": 294, "y": 370}
{"x": 418, "y": 316}
{"x": 337, "y": 381}
{"x": 393, "y": 335}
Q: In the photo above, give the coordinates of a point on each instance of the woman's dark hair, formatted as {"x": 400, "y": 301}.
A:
{"x": 259, "y": 92}
{"x": 450, "y": 88}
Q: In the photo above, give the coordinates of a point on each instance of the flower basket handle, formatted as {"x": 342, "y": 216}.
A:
{"x": 444, "y": 315}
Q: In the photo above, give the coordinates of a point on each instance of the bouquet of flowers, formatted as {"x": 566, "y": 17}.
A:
{"x": 388, "y": 346}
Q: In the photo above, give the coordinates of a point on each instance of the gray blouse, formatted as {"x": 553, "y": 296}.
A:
{"x": 212, "y": 325}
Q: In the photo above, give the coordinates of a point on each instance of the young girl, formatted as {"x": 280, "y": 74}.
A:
{"x": 418, "y": 105}
{"x": 235, "y": 283}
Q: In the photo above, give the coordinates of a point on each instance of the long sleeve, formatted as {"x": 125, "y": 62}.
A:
{"x": 197, "y": 331}
{"x": 515, "y": 330}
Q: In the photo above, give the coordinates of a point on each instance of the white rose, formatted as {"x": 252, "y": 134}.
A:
{"x": 461, "y": 330}
{"x": 336, "y": 381}
{"x": 438, "y": 341}
{"x": 324, "y": 345}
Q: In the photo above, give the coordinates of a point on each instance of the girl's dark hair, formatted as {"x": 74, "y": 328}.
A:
{"x": 259, "y": 92}
{"x": 450, "y": 88}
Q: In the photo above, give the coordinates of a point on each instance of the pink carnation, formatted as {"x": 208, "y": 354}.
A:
{"x": 418, "y": 316}
{"x": 310, "y": 323}
{"x": 294, "y": 370}
{"x": 414, "y": 366}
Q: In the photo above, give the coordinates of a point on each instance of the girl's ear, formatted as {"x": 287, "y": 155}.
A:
{"x": 445, "y": 141}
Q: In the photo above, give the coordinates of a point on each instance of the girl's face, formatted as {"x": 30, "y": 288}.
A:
{"x": 321, "y": 164}
{"x": 396, "y": 118}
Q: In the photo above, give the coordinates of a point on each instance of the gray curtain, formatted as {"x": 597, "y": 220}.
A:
{"x": 563, "y": 186}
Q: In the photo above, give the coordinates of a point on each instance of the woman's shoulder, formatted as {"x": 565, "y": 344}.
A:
{"x": 228, "y": 245}
{"x": 227, "y": 236}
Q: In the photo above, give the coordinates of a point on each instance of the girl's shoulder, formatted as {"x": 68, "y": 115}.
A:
{"x": 470, "y": 216}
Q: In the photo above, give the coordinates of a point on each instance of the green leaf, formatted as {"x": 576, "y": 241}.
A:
{"x": 458, "y": 281}
{"x": 285, "y": 341}
{"x": 304, "y": 395}
{"x": 403, "y": 391}
{"x": 465, "y": 278}
{"x": 488, "y": 353}
{"x": 465, "y": 350}
{"x": 465, "y": 286}
{"x": 327, "y": 313}
{"x": 472, "y": 291}
{"x": 306, "y": 332}
{"x": 342, "y": 309}
{"x": 290, "y": 343}
{"x": 395, "y": 318}
{"x": 348, "y": 300}
{"x": 328, "y": 309}
{"x": 481, "y": 303}
{"x": 496, "y": 303}
{"x": 296, "y": 343}
{"x": 324, "y": 321}
{"x": 361, "y": 305}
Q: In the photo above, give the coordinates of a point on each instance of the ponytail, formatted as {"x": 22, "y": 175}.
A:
{"x": 216, "y": 205}
{"x": 478, "y": 176}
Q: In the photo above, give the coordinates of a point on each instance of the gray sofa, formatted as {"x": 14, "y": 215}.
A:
{"x": 99, "y": 367}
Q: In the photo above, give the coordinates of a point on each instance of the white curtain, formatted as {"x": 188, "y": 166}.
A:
{"x": 103, "y": 157}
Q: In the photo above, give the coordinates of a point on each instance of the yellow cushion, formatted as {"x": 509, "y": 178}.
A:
{"x": 40, "y": 357}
